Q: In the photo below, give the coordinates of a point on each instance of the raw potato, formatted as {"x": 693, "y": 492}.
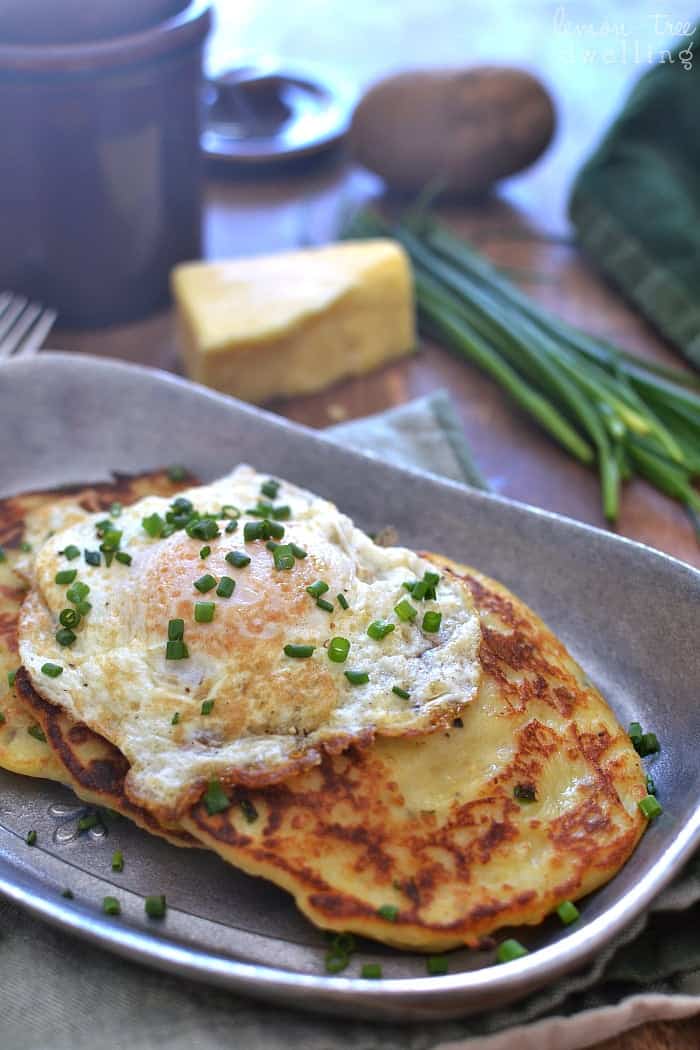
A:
{"x": 469, "y": 127}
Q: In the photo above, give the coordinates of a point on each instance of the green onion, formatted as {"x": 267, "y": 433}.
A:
{"x": 207, "y": 707}
{"x": 204, "y": 529}
{"x": 77, "y": 592}
{"x": 238, "y": 559}
{"x": 262, "y": 510}
{"x": 176, "y": 630}
{"x": 432, "y": 621}
{"x": 117, "y": 860}
{"x": 357, "y": 677}
{"x": 338, "y": 649}
{"x": 650, "y": 807}
{"x": 176, "y": 650}
{"x": 283, "y": 557}
{"x": 204, "y": 611}
{"x": 153, "y": 525}
{"x": 405, "y": 611}
{"x": 116, "y": 509}
{"x": 86, "y": 823}
{"x": 175, "y": 719}
{"x": 389, "y": 912}
{"x": 31, "y": 838}
{"x": 155, "y": 906}
{"x": 568, "y": 912}
{"x": 371, "y": 971}
{"x": 342, "y": 601}
{"x": 51, "y": 670}
{"x": 276, "y": 531}
{"x": 649, "y": 745}
{"x": 336, "y": 962}
{"x": 71, "y": 552}
{"x": 37, "y": 732}
{"x": 509, "y": 950}
{"x": 299, "y": 652}
{"x": 298, "y": 552}
{"x": 215, "y": 798}
{"x": 11, "y": 675}
{"x": 229, "y": 511}
{"x": 379, "y": 629}
{"x": 401, "y": 692}
{"x": 270, "y": 488}
{"x": 204, "y": 552}
{"x": 323, "y": 604}
{"x": 93, "y": 557}
{"x": 282, "y": 513}
{"x": 111, "y": 540}
{"x": 69, "y": 618}
{"x": 177, "y": 473}
{"x": 231, "y": 527}
{"x": 317, "y": 589}
{"x": 253, "y": 530}
{"x": 68, "y": 894}
{"x": 651, "y": 786}
{"x": 248, "y": 809}
{"x": 123, "y": 557}
{"x": 436, "y": 965}
{"x": 65, "y": 576}
{"x": 65, "y": 637}
{"x": 205, "y": 583}
{"x": 226, "y": 587}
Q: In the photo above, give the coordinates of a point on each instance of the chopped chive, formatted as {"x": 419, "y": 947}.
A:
{"x": 357, "y": 677}
{"x": 155, "y": 906}
{"x": 509, "y": 950}
{"x": 568, "y": 912}
{"x": 282, "y": 513}
{"x": 525, "y": 793}
{"x": 371, "y": 971}
{"x": 342, "y": 601}
{"x": 649, "y": 745}
{"x": 31, "y": 838}
{"x": 11, "y": 675}
{"x": 65, "y": 576}
{"x": 253, "y": 530}
{"x": 323, "y": 604}
{"x": 51, "y": 670}
{"x": 651, "y": 786}
{"x": 204, "y": 611}
{"x": 298, "y": 552}
{"x": 77, "y": 592}
{"x": 205, "y": 583}
{"x": 93, "y": 557}
{"x": 177, "y": 473}
{"x": 205, "y": 552}
{"x": 238, "y": 559}
{"x": 25, "y": 546}
{"x": 409, "y": 585}
{"x": 650, "y": 807}
{"x": 403, "y": 693}
{"x": 71, "y": 552}
{"x": 379, "y": 629}
{"x": 175, "y": 719}
{"x": 68, "y": 894}
{"x": 117, "y": 860}
{"x": 317, "y": 589}
{"x": 248, "y": 809}
{"x": 176, "y": 650}
{"x": 123, "y": 557}
{"x": 116, "y": 509}
{"x": 154, "y": 525}
{"x": 231, "y": 527}
{"x": 215, "y": 799}
{"x": 270, "y": 488}
{"x": 389, "y": 912}
{"x": 432, "y": 621}
{"x": 419, "y": 590}
{"x": 83, "y": 608}
{"x": 37, "y": 732}
{"x": 276, "y": 531}
{"x": 283, "y": 557}
{"x": 226, "y": 587}
{"x": 204, "y": 529}
{"x": 261, "y": 510}
{"x": 338, "y": 649}
{"x": 436, "y": 965}
{"x": 207, "y": 707}
{"x": 635, "y": 730}
{"x": 405, "y": 611}
{"x": 88, "y": 822}
{"x": 111, "y": 540}
{"x": 102, "y": 526}
{"x": 65, "y": 637}
{"x": 335, "y": 961}
{"x": 176, "y": 630}
{"x": 299, "y": 652}
{"x": 229, "y": 511}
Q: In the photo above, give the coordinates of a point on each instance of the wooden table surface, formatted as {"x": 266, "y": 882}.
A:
{"x": 523, "y": 227}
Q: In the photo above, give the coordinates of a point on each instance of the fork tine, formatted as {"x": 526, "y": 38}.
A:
{"x": 13, "y": 339}
{"x": 36, "y": 337}
{"x": 5, "y": 300}
{"x": 13, "y": 310}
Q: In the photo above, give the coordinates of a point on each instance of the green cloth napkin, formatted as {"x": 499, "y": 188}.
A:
{"x": 636, "y": 203}
{"x": 61, "y": 994}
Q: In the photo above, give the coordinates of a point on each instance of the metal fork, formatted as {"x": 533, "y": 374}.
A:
{"x": 23, "y": 325}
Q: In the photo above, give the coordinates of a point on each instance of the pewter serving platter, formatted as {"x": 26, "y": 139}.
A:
{"x": 631, "y": 616}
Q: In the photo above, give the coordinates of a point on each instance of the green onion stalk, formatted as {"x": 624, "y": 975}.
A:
{"x": 605, "y": 406}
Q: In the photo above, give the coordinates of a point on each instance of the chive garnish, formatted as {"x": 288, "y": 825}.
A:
{"x": 299, "y": 652}
{"x": 226, "y": 587}
{"x": 568, "y": 912}
{"x": 253, "y": 530}
{"x": 338, "y": 649}
{"x": 249, "y": 811}
{"x": 650, "y": 807}
{"x": 176, "y": 630}
{"x": 37, "y": 732}
{"x": 117, "y": 860}
{"x": 379, "y": 629}
{"x": 65, "y": 637}
{"x": 323, "y": 604}
{"x": 153, "y": 525}
{"x": 651, "y": 786}
{"x": 71, "y": 552}
{"x": 88, "y": 822}
{"x": 371, "y": 971}
{"x": 282, "y": 513}
{"x": 123, "y": 557}
{"x": 207, "y": 707}
{"x": 83, "y": 608}
{"x": 11, "y": 675}
{"x": 115, "y": 510}
{"x": 93, "y": 557}
{"x": 276, "y": 532}
{"x": 77, "y": 592}
{"x": 65, "y": 576}
{"x": 175, "y": 719}
{"x": 204, "y": 529}
{"x": 270, "y": 488}
{"x": 317, "y": 589}
{"x": 229, "y": 511}
{"x": 215, "y": 799}
{"x": 509, "y": 950}
{"x": 51, "y": 670}
{"x": 342, "y": 601}
{"x": 205, "y": 552}
{"x": 176, "y": 650}
{"x": 357, "y": 677}
{"x": 405, "y": 611}
{"x": 204, "y": 611}
{"x": 205, "y": 583}
{"x": 298, "y": 552}
{"x": 31, "y": 838}
{"x": 436, "y": 965}
{"x": 403, "y": 693}
{"x": 283, "y": 557}
{"x": 231, "y": 527}
{"x": 155, "y": 906}
{"x": 389, "y": 912}
{"x": 68, "y": 894}
{"x": 432, "y": 621}
{"x": 238, "y": 559}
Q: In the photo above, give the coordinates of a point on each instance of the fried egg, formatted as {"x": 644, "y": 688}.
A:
{"x": 244, "y": 643}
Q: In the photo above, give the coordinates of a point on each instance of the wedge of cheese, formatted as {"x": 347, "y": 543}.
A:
{"x": 293, "y": 323}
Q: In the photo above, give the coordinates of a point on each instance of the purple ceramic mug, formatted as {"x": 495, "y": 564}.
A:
{"x": 100, "y": 168}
